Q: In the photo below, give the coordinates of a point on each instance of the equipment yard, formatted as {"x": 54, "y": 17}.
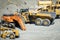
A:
{"x": 32, "y": 32}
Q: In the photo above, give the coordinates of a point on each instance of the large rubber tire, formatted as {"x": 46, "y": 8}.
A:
{"x": 11, "y": 25}
{"x": 4, "y": 23}
{"x": 46, "y": 22}
{"x": 12, "y": 36}
{"x": 38, "y": 21}
{"x": 2, "y": 36}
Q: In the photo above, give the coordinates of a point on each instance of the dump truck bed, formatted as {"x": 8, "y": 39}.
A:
{"x": 45, "y": 14}
{"x": 51, "y": 14}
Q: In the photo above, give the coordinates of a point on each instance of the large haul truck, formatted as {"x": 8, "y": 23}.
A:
{"x": 39, "y": 18}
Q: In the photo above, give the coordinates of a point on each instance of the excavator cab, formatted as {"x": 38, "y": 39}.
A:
{"x": 23, "y": 10}
{"x": 24, "y": 15}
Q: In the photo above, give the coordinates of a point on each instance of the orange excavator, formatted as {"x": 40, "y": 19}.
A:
{"x": 12, "y": 20}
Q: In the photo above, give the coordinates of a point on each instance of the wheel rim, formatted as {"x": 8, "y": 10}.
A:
{"x": 11, "y": 25}
{"x": 11, "y": 36}
{"x": 46, "y": 22}
{"x": 38, "y": 21}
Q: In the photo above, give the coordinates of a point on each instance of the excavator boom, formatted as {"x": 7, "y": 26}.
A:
{"x": 16, "y": 18}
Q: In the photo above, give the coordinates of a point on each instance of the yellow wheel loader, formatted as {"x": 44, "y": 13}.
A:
{"x": 8, "y": 32}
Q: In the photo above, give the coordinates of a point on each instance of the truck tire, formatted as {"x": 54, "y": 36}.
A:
{"x": 38, "y": 21}
{"x": 46, "y": 22}
{"x": 12, "y": 36}
{"x": 11, "y": 25}
{"x": 3, "y": 36}
{"x": 5, "y": 24}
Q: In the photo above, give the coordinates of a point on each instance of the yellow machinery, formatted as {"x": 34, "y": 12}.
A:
{"x": 55, "y": 7}
{"x": 58, "y": 3}
{"x": 57, "y": 13}
{"x": 8, "y": 32}
{"x": 57, "y": 10}
{"x": 44, "y": 4}
{"x": 51, "y": 7}
{"x": 39, "y": 18}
